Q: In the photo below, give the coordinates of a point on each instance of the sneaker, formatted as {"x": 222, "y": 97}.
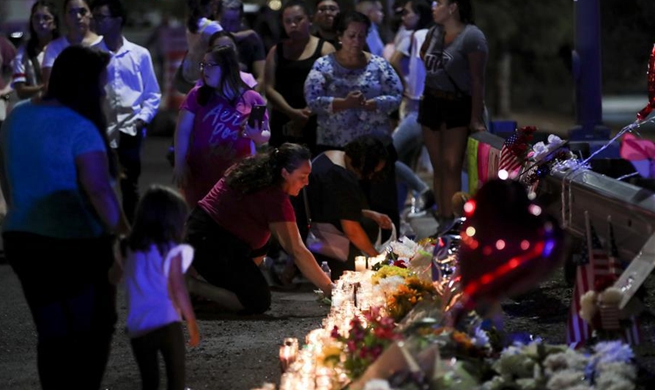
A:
{"x": 417, "y": 206}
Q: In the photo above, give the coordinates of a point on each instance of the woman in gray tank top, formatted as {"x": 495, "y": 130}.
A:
{"x": 455, "y": 57}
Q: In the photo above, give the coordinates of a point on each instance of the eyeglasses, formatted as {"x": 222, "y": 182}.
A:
{"x": 326, "y": 9}
{"x": 207, "y": 66}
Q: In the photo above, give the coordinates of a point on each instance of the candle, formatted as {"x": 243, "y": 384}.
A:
{"x": 376, "y": 259}
{"x": 287, "y": 356}
{"x": 293, "y": 343}
{"x": 360, "y": 263}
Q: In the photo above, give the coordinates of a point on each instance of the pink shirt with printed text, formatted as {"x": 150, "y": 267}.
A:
{"x": 216, "y": 139}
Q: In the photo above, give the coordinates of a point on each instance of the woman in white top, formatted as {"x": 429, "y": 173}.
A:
{"x": 44, "y": 27}
{"x": 77, "y": 18}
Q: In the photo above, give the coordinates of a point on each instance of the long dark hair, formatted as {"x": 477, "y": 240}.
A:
{"x": 424, "y": 11}
{"x": 365, "y": 153}
{"x": 226, "y": 58}
{"x": 75, "y": 83}
{"x": 199, "y": 9}
{"x": 465, "y": 11}
{"x": 33, "y": 40}
{"x": 264, "y": 170}
{"x": 159, "y": 220}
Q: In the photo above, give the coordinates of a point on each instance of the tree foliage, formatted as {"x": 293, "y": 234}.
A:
{"x": 627, "y": 38}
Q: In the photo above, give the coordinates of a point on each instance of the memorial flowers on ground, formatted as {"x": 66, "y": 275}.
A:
{"x": 407, "y": 295}
{"x": 365, "y": 342}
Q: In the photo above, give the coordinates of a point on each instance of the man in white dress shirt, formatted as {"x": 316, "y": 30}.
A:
{"x": 133, "y": 96}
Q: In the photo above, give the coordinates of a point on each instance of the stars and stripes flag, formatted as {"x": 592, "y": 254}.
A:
{"x": 595, "y": 264}
{"x": 509, "y": 160}
{"x": 594, "y": 261}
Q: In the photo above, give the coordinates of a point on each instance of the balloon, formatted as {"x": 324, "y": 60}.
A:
{"x": 508, "y": 243}
{"x": 641, "y": 153}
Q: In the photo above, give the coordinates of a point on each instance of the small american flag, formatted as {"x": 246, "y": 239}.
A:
{"x": 598, "y": 265}
{"x": 509, "y": 160}
{"x": 594, "y": 261}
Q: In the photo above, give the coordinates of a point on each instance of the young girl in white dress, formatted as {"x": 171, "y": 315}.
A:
{"x": 157, "y": 298}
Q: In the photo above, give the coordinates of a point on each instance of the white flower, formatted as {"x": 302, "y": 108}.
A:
{"x": 480, "y": 339}
{"x": 554, "y": 141}
{"x": 404, "y": 248}
{"x": 540, "y": 151}
{"x": 515, "y": 365}
{"x": 567, "y": 165}
{"x": 388, "y": 285}
{"x": 613, "y": 351}
{"x": 565, "y": 379}
{"x": 616, "y": 376}
{"x": 617, "y": 370}
{"x": 569, "y": 359}
{"x": 377, "y": 384}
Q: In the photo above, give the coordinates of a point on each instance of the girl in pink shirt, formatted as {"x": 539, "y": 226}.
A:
{"x": 212, "y": 129}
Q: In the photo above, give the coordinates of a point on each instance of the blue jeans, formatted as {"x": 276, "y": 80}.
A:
{"x": 408, "y": 140}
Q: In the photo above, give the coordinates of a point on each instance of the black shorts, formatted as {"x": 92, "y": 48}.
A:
{"x": 436, "y": 111}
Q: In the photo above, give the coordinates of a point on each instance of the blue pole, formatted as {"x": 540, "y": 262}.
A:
{"x": 587, "y": 73}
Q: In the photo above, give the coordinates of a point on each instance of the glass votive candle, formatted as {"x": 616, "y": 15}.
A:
{"x": 315, "y": 337}
{"x": 293, "y": 343}
{"x": 360, "y": 263}
{"x": 287, "y": 356}
{"x": 289, "y": 380}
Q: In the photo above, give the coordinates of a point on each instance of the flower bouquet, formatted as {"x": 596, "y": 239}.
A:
{"x": 556, "y": 367}
{"x": 408, "y": 294}
{"x": 543, "y": 158}
{"x": 405, "y": 253}
{"x": 365, "y": 342}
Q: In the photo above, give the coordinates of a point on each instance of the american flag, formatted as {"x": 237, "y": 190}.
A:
{"x": 509, "y": 160}
{"x": 596, "y": 264}
{"x": 578, "y": 330}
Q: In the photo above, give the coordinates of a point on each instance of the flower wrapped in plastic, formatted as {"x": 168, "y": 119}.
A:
{"x": 364, "y": 343}
{"x": 413, "y": 291}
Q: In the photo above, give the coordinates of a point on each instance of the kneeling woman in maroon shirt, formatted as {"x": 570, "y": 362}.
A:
{"x": 231, "y": 225}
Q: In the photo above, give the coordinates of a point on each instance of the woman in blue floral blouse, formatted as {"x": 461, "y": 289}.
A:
{"x": 351, "y": 91}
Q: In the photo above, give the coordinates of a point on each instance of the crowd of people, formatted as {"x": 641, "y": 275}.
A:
{"x": 349, "y": 113}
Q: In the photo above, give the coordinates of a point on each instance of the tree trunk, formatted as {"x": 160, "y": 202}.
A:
{"x": 504, "y": 85}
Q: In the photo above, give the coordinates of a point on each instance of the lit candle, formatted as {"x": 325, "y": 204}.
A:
{"x": 287, "y": 356}
{"x": 360, "y": 263}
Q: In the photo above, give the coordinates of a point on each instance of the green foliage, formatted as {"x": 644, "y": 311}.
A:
{"x": 539, "y": 38}
{"x": 627, "y": 37}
